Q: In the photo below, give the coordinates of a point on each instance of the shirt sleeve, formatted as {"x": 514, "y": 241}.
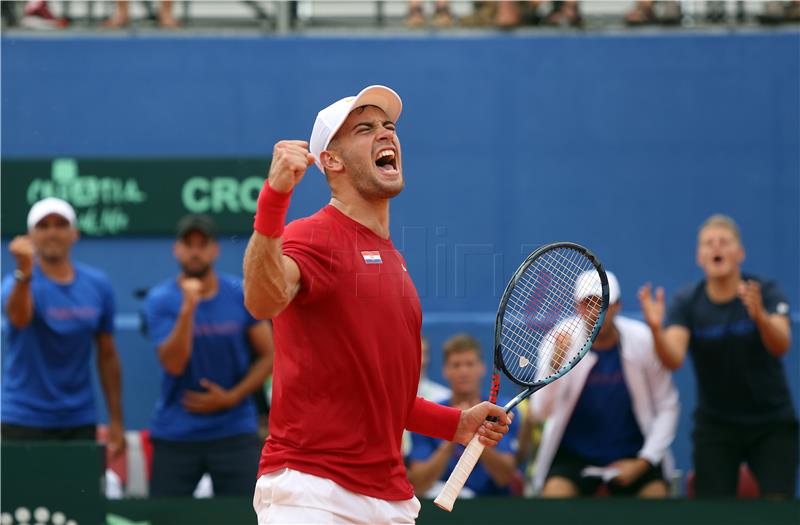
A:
{"x": 158, "y": 318}
{"x": 678, "y": 310}
{"x": 109, "y": 309}
{"x": 311, "y": 246}
{"x": 432, "y": 419}
{"x": 775, "y": 302}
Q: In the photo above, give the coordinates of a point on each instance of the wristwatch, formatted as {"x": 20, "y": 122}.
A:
{"x": 21, "y": 277}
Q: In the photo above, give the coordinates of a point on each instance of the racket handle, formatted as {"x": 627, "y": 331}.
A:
{"x": 447, "y": 497}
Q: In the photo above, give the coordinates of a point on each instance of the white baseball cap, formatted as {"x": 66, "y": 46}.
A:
{"x": 588, "y": 283}
{"x": 330, "y": 119}
{"x": 49, "y": 206}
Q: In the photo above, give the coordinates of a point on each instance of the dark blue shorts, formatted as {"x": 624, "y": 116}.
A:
{"x": 232, "y": 463}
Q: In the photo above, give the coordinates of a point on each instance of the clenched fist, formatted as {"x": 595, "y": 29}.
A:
{"x": 290, "y": 159}
{"x": 191, "y": 289}
{"x": 21, "y": 248}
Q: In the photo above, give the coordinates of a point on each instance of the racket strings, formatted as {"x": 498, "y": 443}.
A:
{"x": 543, "y": 329}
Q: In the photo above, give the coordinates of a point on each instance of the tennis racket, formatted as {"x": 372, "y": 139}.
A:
{"x": 541, "y": 331}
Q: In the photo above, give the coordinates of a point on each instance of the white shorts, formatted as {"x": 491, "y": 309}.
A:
{"x": 290, "y": 496}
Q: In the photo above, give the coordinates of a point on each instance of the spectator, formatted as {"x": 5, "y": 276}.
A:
{"x": 441, "y": 14}
{"x": 646, "y": 12}
{"x": 121, "y": 18}
{"x": 9, "y": 13}
{"x": 777, "y": 12}
{"x": 617, "y": 410}
{"x": 56, "y": 308}
{"x": 736, "y": 327}
{"x": 716, "y": 11}
{"x": 791, "y": 12}
{"x": 205, "y": 419}
{"x": 432, "y": 460}
{"x": 483, "y": 14}
{"x": 39, "y": 16}
{"x": 562, "y": 13}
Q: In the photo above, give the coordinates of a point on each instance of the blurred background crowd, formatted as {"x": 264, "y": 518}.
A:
{"x": 414, "y": 14}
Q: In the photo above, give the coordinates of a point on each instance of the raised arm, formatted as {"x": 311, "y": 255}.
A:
{"x": 774, "y": 329}
{"x": 671, "y": 343}
{"x": 271, "y": 280}
{"x": 176, "y": 350}
{"x": 19, "y": 307}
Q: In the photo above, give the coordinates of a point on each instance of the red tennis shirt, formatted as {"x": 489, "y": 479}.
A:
{"x": 347, "y": 361}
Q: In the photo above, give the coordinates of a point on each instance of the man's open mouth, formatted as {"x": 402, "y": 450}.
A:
{"x": 386, "y": 160}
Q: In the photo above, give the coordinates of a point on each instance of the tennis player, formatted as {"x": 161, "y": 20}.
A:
{"x": 347, "y": 320}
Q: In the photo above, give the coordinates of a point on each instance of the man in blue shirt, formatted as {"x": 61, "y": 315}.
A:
{"x": 432, "y": 460}
{"x": 205, "y": 419}
{"x": 56, "y": 308}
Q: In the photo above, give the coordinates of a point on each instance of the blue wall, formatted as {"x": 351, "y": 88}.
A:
{"x": 623, "y": 143}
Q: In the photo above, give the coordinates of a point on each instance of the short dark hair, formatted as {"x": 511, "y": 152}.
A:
{"x": 461, "y": 343}
{"x": 196, "y": 223}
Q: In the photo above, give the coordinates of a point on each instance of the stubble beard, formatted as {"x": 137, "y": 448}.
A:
{"x": 53, "y": 254}
{"x": 368, "y": 185}
{"x": 196, "y": 273}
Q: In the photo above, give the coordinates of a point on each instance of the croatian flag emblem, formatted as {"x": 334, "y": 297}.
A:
{"x": 372, "y": 257}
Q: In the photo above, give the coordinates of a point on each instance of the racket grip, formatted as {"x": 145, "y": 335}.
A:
{"x": 447, "y": 497}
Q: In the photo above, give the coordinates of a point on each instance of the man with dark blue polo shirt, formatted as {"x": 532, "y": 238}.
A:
{"x": 431, "y": 460}
{"x": 735, "y": 326}
{"x": 55, "y": 309}
{"x": 205, "y": 419}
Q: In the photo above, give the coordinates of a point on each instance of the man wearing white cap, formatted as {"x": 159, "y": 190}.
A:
{"x": 346, "y": 320}
{"x": 616, "y": 411}
{"x": 56, "y": 308}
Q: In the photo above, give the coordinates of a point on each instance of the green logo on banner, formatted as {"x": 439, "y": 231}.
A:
{"x": 135, "y": 196}
{"x": 221, "y": 194}
{"x": 97, "y": 200}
